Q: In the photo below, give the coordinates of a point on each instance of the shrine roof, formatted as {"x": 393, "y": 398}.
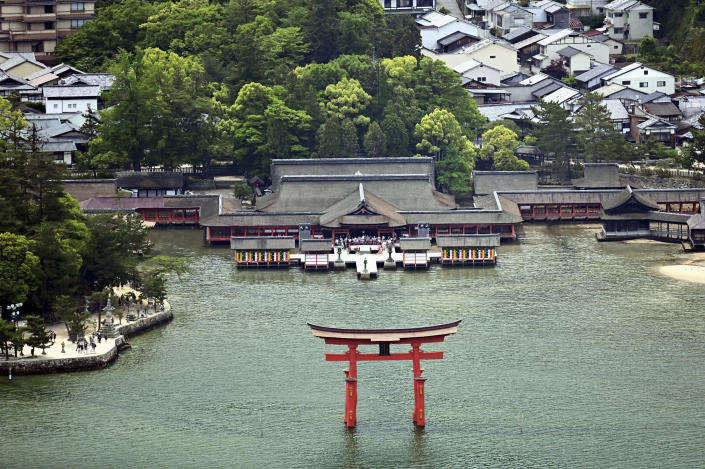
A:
{"x": 385, "y": 335}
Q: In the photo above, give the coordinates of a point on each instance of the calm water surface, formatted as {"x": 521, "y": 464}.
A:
{"x": 570, "y": 354}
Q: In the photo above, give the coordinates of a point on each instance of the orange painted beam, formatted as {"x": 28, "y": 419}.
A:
{"x": 343, "y": 357}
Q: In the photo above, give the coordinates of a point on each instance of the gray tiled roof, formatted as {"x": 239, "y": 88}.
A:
{"x": 71, "y": 91}
{"x": 104, "y": 80}
{"x": 596, "y": 72}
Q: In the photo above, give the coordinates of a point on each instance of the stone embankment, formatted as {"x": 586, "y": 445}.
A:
{"x": 86, "y": 361}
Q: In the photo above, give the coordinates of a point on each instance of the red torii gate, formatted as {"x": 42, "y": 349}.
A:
{"x": 384, "y": 337}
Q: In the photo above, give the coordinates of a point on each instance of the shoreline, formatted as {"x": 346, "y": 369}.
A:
{"x": 692, "y": 269}
{"x": 106, "y": 353}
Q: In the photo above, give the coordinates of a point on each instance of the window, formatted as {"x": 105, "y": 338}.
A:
{"x": 77, "y": 23}
{"x": 646, "y": 72}
{"x": 56, "y": 106}
{"x": 643, "y": 15}
{"x": 481, "y": 78}
{"x": 493, "y": 56}
{"x": 618, "y": 30}
{"x": 626, "y": 82}
{"x": 77, "y": 7}
{"x": 660, "y": 83}
{"x": 617, "y": 15}
{"x": 643, "y": 84}
{"x": 616, "y": 47}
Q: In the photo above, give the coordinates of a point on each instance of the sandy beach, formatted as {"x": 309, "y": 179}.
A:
{"x": 692, "y": 269}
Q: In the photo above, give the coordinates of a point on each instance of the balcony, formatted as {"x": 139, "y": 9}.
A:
{"x": 39, "y": 17}
{"x": 33, "y": 35}
{"x": 74, "y": 15}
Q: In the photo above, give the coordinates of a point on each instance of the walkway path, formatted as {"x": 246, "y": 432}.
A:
{"x": 450, "y": 5}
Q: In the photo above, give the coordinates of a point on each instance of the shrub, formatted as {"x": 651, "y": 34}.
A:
{"x": 242, "y": 191}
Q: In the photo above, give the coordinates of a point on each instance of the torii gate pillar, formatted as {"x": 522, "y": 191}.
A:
{"x": 352, "y": 338}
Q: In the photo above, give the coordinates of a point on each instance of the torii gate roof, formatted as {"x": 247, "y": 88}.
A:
{"x": 385, "y": 335}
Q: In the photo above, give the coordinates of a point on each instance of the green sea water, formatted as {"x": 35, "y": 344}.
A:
{"x": 571, "y": 353}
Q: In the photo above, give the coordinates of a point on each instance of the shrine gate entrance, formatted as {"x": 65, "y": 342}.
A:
{"x": 384, "y": 338}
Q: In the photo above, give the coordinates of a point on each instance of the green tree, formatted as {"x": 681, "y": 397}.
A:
{"x": 346, "y": 100}
{"x": 349, "y": 142}
{"x": 499, "y": 144}
{"x": 375, "y": 141}
{"x": 647, "y": 47}
{"x": 554, "y": 134}
{"x": 6, "y": 331}
{"x": 114, "y": 250}
{"x": 18, "y": 266}
{"x": 439, "y": 135}
{"x": 39, "y": 337}
{"x": 261, "y": 127}
{"x": 75, "y": 320}
{"x": 154, "y": 286}
{"x": 396, "y": 136}
{"x": 322, "y": 28}
{"x": 596, "y": 134}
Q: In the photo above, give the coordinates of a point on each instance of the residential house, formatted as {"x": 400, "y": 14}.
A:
{"x": 642, "y": 78}
{"x": 51, "y": 75}
{"x": 479, "y": 72}
{"x": 615, "y": 47}
{"x": 533, "y": 88}
{"x": 478, "y": 10}
{"x": 575, "y": 61}
{"x": 665, "y": 111}
{"x": 518, "y": 34}
{"x": 549, "y": 47}
{"x": 435, "y": 27}
{"x": 615, "y": 91}
{"x": 11, "y": 84}
{"x": 507, "y": 16}
{"x": 568, "y": 98}
{"x": 580, "y": 8}
{"x": 493, "y": 52}
{"x": 629, "y": 20}
{"x": 59, "y": 134}
{"x": 592, "y": 78}
{"x": 660, "y": 130}
{"x": 455, "y": 41}
{"x": 549, "y": 14}
{"x": 145, "y": 184}
{"x": 408, "y": 6}
{"x": 20, "y": 64}
{"x": 35, "y": 26}
{"x": 65, "y": 99}
{"x": 529, "y": 47}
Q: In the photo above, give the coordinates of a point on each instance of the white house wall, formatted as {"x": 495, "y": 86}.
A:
{"x": 59, "y": 106}
{"x": 430, "y": 36}
{"x": 654, "y": 81}
{"x": 490, "y": 75}
{"x": 494, "y": 55}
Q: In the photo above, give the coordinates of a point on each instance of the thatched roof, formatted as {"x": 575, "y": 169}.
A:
{"x": 349, "y": 167}
{"x": 253, "y": 243}
{"x": 147, "y": 180}
{"x": 599, "y": 176}
{"x": 362, "y": 207}
{"x": 411, "y": 244}
{"x": 319, "y": 193}
{"x": 628, "y": 201}
{"x": 467, "y": 241}
{"x": 487, "y": 182}
{"x": 315, "y": 245}
{"x": 84, "y": 189}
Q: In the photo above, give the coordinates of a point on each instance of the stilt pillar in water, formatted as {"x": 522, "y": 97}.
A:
{"x": 419, "y": 410}
{"x": 351, "y": 388}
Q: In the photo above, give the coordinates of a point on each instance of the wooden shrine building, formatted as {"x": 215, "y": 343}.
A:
{"x": 384, "y": 339}
{"x": 316, "y": 253}
{"x": 468, "y": 250}
{"x": 630, "y": 215}
{"x": 414, "y": 252}
{"x": 262, "y": 252}
{"x": 696, "y": 228}
{"x": 351, "y": 197}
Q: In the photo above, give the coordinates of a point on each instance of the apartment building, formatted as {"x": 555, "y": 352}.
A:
{"x": 36, "y": 26}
